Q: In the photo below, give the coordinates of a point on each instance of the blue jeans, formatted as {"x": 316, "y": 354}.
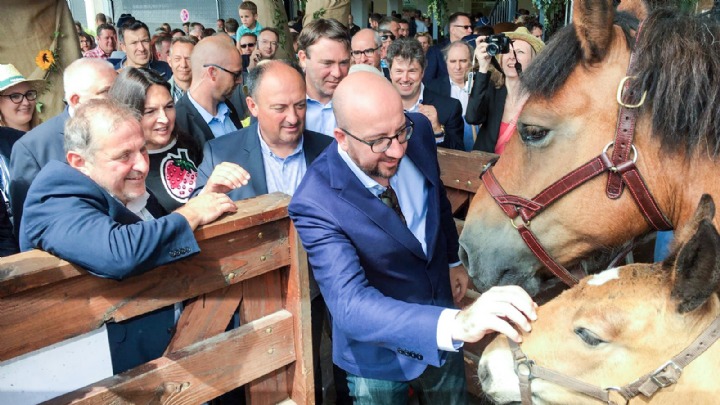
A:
{"x": 444, "y": 385}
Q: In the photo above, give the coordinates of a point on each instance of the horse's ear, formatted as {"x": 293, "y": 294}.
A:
{"x": 638, "y": 8}
{"x": 697, "y": 268}
{"x": 593, "y": 22}
{"x": 704, "y": 211}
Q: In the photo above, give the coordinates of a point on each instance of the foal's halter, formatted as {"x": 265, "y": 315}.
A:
{"x": 664, "y": 376}
{"x": 621, "y": 170}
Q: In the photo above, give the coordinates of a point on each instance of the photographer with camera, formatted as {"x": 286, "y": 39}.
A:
{"x": 495, "y": 100}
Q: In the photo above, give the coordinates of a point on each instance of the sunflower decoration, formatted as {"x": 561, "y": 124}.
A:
{"x": 45, "y": 59}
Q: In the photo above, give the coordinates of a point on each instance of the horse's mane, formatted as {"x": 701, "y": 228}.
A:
{"x": 677, "y": 64}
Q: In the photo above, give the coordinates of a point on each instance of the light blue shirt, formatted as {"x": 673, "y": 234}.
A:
{"x": 283, "y": 174}
{"x": 244, "y": 30}
{"x": 320, "y": 117}
{"x": 412, "y": 193}
{"x": 220, "y": 124}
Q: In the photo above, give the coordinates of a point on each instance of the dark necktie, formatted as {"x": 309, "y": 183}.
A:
{"x": 389, "y": 198}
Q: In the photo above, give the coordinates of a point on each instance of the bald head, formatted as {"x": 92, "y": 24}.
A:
{"x": 216, "y": 50}
{"x": 363, "y": 95}
{"x": 366, "y": 40}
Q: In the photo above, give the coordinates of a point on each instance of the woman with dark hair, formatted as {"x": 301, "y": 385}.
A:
{"x": 174, "y": 155}
{"x": 86, "y": 42}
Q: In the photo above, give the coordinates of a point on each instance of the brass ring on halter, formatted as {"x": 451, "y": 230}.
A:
{"x": 620, "y": 94}
{"x": 633, "y": 149}
{"x": 619, "y": 392}
{"x": 512, "y": 222}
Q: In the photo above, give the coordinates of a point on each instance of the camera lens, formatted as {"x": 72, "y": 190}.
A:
{"x": 492, "y": 49}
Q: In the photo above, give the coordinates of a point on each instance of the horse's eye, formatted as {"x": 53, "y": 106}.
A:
{"x": 588, "y": 337}
{"x": 531, "y": 133}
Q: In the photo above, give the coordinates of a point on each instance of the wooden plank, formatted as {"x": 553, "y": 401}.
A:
{"x": 35, "y": 269}
{"x": 251, "y": 212}
{"x": 32, "y": 269}
{"x": 200, "y": 372}
{"x": 46, "y": 315}
{"x": 461, "y": 170}
{"x": 262, "y": 295}
{"x": 458, "y": 198}
{"x": 297, "y": 301}
{"x": 206, "y": 316}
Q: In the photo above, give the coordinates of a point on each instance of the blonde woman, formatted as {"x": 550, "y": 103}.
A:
{"x": 18, "y": 97}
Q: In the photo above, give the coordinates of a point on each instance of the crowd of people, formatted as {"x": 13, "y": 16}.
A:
{"x": 162, "y": 132}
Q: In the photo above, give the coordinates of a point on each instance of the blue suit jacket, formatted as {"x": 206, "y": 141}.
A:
{"x": 449, "y": 113}
{"x": 384, "y": 293}
{"x": 436, "y": 66}
{"x": 30, "y": 154}
{"x": 69, "y": 215}
{"x": 243, "y": 148}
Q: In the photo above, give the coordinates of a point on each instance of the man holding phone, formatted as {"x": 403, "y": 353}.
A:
{"x": 267, "y": 46}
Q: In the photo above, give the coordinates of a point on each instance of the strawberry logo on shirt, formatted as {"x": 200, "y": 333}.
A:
{"x": 179, "y": 175}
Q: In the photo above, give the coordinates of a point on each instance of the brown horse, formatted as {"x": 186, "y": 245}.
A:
{"x": 570, "y": 118}
{"x": 619, "y": 329}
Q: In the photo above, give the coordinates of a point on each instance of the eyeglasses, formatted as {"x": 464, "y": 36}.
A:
{"x": 465, "y": 27}
{"x": 236, "y": 75}
{"x": 367, "y": 52}
{"x": 250, "y": 45}
{"x": 17, "y": 98}
{"x": 271, "y": 43}
{"x": 385, "y": 37}
{"x": 380, "y": 145}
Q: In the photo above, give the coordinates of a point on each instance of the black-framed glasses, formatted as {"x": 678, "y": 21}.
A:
{"x": 17, "y": 98}
{"x": 387, "y": 36}
{"x": 380, "y": 145}
{"x": 465, "y": 27}
{"x": 367, "y": 52}
{"x": 236, "y": 75}
{"x": 250, "y": 45}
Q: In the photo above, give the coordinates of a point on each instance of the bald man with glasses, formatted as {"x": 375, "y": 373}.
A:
{"x": 205, "y": 111}
{"x": 365, "y": 48}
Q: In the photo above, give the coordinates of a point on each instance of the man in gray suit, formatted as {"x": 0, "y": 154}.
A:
{"x": 85, "y": 79}
{"x": 272, "y": 154}
{"x": 268, "y": 156}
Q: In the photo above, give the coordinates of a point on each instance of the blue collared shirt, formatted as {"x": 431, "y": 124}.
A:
{"x": 220, "y": 124}
{"x": 414, "y": 208}
{"x": 320, "y": 117}
{"x": 283, "y": 174}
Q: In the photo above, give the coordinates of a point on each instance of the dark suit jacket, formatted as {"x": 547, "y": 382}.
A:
{"x": 188, "y": 119}
{"x": 8, "y": 241}
{"x": 243, "y": 148}
{"x": 72, "y": 217}
{"x": 485, "y": 107}
{"x": 441, "y": 86}
{"x": 449, "y": 113}
{"x": 384, "y": 292}
{"x": 30, "y": 154}
{"x": 436, "y": 66}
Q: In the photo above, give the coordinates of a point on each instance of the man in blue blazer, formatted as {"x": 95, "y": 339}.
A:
{"x": 95, "y": 211}
{"x": 271, "y": 155}
{"x": 374, "y": 218}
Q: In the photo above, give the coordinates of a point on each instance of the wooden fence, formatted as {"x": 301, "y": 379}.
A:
{"x": 251, "y": 260}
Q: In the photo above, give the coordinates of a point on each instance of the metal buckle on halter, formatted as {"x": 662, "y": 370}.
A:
{"x": 618, "y": 391}
{"x": 620, "y": 94}
{"x": 487, "y": 166}
{"x": 523, "y": 368}
{"x": 667, "y": 375}
{"x": 633, "y": 149}
{"x": 523, "y": 223}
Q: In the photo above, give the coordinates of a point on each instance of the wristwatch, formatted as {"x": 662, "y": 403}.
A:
{"x": 441, "y": 133}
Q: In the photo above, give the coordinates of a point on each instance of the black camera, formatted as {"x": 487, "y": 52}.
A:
{"x": 498, "y": 43}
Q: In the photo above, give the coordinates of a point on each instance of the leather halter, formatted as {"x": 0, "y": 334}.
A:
{"x": 664, "y": 376}
{"x": 621, "y": 170}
